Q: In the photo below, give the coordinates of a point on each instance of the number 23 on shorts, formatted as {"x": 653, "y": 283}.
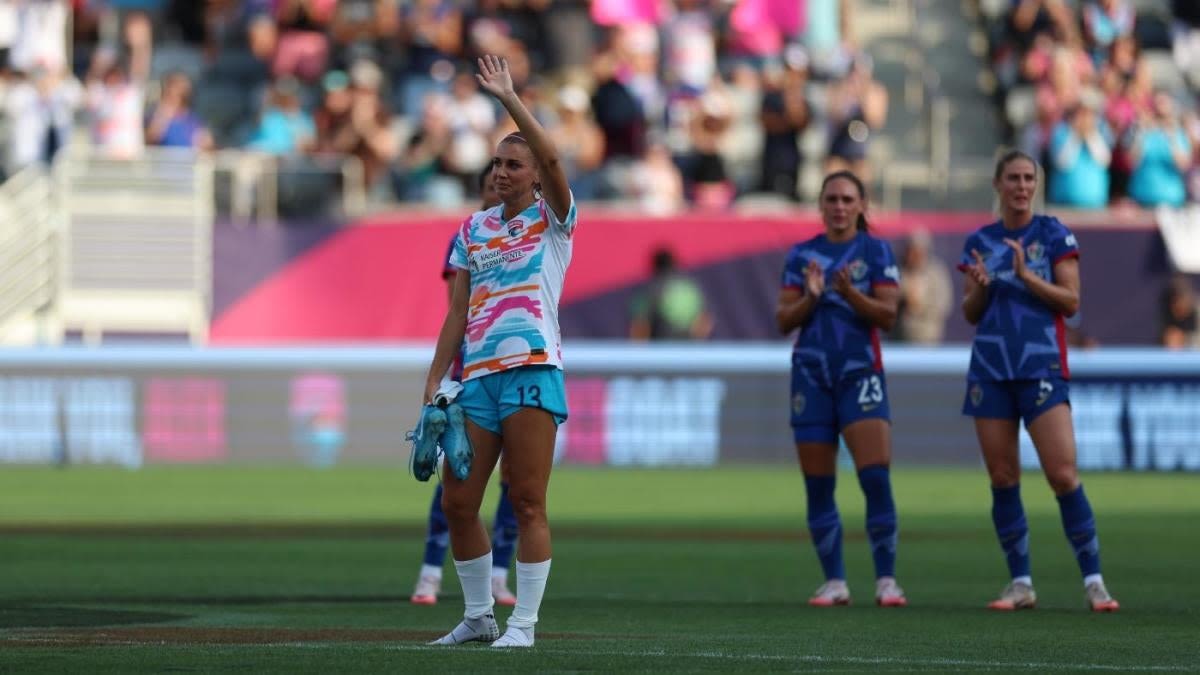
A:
{"x": 870, "y": 391}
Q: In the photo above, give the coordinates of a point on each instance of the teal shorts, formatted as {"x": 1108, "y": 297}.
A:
{"x": 489, "y": 399}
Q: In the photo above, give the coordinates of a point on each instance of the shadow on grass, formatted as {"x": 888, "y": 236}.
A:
{"x": 51, "y": 616}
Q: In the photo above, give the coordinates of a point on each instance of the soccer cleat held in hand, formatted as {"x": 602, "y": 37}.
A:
{"x": 455, "y": 443}
{"x": 423, "y": 459}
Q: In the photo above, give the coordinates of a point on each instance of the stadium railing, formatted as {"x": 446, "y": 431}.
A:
{"x": 29, "y": 219}
{"x": 136, "y": 245}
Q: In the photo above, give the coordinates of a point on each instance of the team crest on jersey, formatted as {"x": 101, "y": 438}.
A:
{"x": 1035, "y": 252}
{"x": 798, "y": 404}
{"x": 858, "y": 269}
{"x": 976, "y": 394}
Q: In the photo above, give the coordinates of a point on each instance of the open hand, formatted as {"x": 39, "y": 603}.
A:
{"x": 494, "y": 77}
{"x": 978, "y": 270}
{"x": 814, "y": 279}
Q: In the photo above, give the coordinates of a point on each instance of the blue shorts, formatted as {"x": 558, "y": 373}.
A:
{"x": 819, "y": 413}
{"x": 1015, "y": 399}
{"x": 489, "y": 399}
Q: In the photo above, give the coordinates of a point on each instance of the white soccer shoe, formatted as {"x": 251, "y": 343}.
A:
{"x": 515, "y": 637}
{"x": 889, "y": 594}
{"x": 482, "y": 629}
{"x": 501, "y": 594}
{"x": 426, "y": 590}
{"x": 1015, "y": 596}
{"x": 832, "y": 593}
{"x": 1099, "y": 599}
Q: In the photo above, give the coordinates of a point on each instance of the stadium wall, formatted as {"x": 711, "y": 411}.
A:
{"x": 380, "y": 281}
{"x": 631, "y": 405}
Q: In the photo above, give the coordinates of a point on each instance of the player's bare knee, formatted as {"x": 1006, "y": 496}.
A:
{"x": 528, "y": 505}
{"x": 459, "y": 507}
{"x": 1062, "y": 479}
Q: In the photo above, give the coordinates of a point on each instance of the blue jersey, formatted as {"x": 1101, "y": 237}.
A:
{"x": 836, "y": 341}
{"x": 1019, "y": 337}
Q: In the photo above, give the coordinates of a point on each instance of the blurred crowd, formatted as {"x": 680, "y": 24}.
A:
{"x": 1105, "y": 93}
{"x": 661, "y": 102}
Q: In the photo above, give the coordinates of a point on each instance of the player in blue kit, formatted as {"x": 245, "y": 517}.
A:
{"x": 839, "y": 289}
{"x": 1022, "y": 280}
{"x": 504, "y": 526}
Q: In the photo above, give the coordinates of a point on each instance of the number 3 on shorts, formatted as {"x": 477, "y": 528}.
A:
{"x": 534, "y": 395}
{"x": 870, "y": 390}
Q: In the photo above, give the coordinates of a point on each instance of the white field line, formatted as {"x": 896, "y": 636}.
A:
{"x": 652, "y": 653}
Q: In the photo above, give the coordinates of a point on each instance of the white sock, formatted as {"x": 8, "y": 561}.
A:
{"x": 500, "y": 573}
{"x": 476, "y": 579}
{"x": 1092, "y": 579}
{"x": 1027, "y": 580}
{"x": 531, "y": 585}
{"x": 431, "y": 571}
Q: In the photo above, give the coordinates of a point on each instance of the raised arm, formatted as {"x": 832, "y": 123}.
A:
{"x": 495, "y": 79}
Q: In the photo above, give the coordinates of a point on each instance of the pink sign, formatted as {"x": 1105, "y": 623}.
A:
{"x": 183, "y": 420}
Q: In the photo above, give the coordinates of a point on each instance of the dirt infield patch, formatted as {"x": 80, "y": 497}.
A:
{"x": 185, "y": 636}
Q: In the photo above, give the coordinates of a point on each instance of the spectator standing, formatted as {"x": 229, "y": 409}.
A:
{"x": 579, "y": 141}
{"x": 42, "y": 110}
{"x": 353, "y": 120}
{"x": 1160, "y": 154}
{"x": 303, "y": 48}
{"x": 785, "y": 115}
{"x": 1080, "y": 155}
{"x": 284, "y": 128}
{"x": 1179, "y": 325}
{"x": 172, "y": 123}
{"x": 858, "y": 106}
{"x": 926, "y": 292}
{"x": 671, "y": 306}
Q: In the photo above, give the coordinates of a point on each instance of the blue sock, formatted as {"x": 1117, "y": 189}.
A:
{"x": 825, "y": 525}
{"x": 881, "y": 518}
{"x": 504, "y": 531}
{"x": 1009, "y": 518}
{"x": 1080, "y": 527}
{"x": 438, "y": 539}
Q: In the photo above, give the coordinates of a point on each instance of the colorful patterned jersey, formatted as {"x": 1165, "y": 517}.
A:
{"x": 836, "y": 341}
{"x": 1019, "y": 337}
{"x": 517, "y": 270}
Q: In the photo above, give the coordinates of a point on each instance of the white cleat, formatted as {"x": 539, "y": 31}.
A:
{"x": 889, "y": 594}
{"x": 481, "y": 629}
{"x": 426, "y": 590}
{"x": 832, "y": 593}
{"x": 515, "y": 637}
{"x": 1099, "y": 599}
{"x": 1015, "y": 596}
{"x": 501, "y": 594}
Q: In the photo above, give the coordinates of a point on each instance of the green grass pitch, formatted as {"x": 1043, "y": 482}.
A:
{"x": 295, "y": 570}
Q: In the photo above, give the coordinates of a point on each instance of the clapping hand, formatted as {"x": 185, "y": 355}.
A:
{"x": 1019, "y": 268}
{"x": 978, "y": 270}
{"x": 842, "y": 283}
{"x": 814, "y": 279}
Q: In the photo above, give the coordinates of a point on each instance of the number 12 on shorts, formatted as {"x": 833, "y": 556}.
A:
{"x": 531, "y": 395}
